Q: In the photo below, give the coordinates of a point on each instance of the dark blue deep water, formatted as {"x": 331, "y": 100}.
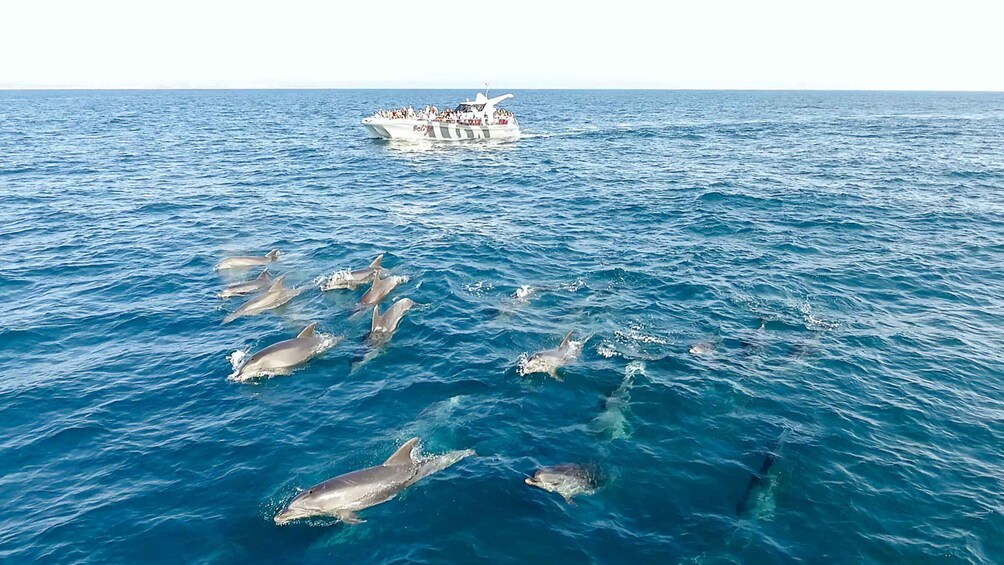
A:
{"x": 841, "y": 252}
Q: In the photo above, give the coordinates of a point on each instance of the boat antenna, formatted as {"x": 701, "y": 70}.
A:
{"x": 486, "y": 90}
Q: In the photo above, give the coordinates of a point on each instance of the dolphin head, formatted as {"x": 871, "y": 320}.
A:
{"x": 303, "y": 506}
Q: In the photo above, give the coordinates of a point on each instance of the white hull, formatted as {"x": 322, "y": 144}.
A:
{"x": 407, "y": 128}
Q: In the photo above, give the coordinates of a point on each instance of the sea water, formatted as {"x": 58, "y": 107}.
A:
{"x": 841, "y": 252}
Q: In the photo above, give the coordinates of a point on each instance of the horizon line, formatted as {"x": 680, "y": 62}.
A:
{"x": 548, "y": 88}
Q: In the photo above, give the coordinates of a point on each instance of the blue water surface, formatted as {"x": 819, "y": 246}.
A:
{"x": 841, "y": 252}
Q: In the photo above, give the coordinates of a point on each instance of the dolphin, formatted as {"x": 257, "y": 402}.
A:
{"x": 568, "y": 480}
{"x": 613, "y": 420}
{"x": 280, "y": 357}
{"x": 353, "y": 279}
{"x": 245, "y": 262}
{"x": 379, "y": 290}
{"x": 247, "y": 287}
{"x": 760, "y": 483}
{"x": 275, "y": 296}
{"x": 550, "y": 360}
{"x": 343, "y": 496}
{"x": 703, "y": 348}
{"x": 384, "y": 326}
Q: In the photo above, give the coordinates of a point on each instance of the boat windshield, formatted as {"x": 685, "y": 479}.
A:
{"x": 466, "y": 107}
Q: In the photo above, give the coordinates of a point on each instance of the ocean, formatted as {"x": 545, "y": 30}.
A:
{"x": 837, "y": 257}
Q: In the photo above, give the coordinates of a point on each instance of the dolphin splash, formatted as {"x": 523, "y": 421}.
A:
{"x": 353, "y": 279}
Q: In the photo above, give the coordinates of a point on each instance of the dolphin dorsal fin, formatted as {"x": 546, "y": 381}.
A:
{"x": 376, "y": 262}
{"x": 403, "y": 454}
{"x": 376, "y": 318}
{"x": 272, "y": 255}
{"x": 567, "y": 340}
{"x": 307, "y": 331}
{"x": 264, "y": 275}
{"x": 277, "y": 285}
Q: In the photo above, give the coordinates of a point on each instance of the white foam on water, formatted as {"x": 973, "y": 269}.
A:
{"x": 478, "y": 288}
{"x": 607, "y": 349}
{"x": 813, "y": 322}
{"x": 237, "y": 360}
{"x": 636, "y": 335}
{"x": 523, "y": 294}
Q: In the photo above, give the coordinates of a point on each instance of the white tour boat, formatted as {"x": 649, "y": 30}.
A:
{"x": 477, "y": 119}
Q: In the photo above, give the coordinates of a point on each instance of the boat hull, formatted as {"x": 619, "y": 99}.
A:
{"x": 402, "y": 128}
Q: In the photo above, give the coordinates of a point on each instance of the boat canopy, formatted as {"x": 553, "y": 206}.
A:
{"x": 482, "y": 103}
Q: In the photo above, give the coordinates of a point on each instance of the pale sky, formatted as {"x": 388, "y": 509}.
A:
{"x": 847, "y": 44}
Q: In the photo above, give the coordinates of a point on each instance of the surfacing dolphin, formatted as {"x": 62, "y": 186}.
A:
{"x": 550, "y": 360}
{"x": 703, "y": 348}
{"x": 384, "y": 326}
{"x": 247, "y": 287}
{"x": 343, "y": 496}
{"x": 275, "y": 296}
{"x": 353, "y": 279}
{"x": 379, "y": 290}
{"x": 568, "y": 480}
{"x": 245, "y": 262}
{"x": 279, "y": 358}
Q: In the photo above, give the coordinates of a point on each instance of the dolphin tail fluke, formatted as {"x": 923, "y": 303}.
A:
{"x": 277, "y": 285}
{"x": 308, "y": 331}
{"x": 376, "y": 264}
{"x": 403, "y": 455}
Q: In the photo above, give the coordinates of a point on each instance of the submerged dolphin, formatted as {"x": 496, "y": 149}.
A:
{"x": 247, "y": 287}
{"x": 384, "y": 326}
{"x": 379, "y": 290}
{"x": 761, "y": 483}
{"x": 244, "y": 262}
{"x": 275, "y": 296}
{"x": 343, "y": 496}
{"x": 281, "y": 357}
{"x": 612, "y": 421}
{"x": 568, "y": 480}
{"x": 550, "y": 360}
{"x": 353, "y": 279}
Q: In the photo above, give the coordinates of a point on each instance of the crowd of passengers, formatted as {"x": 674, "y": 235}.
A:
{"x": 500, "y": 116}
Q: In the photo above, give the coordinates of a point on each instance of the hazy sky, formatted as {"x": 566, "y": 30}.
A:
{"x": 873, "y": 44}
